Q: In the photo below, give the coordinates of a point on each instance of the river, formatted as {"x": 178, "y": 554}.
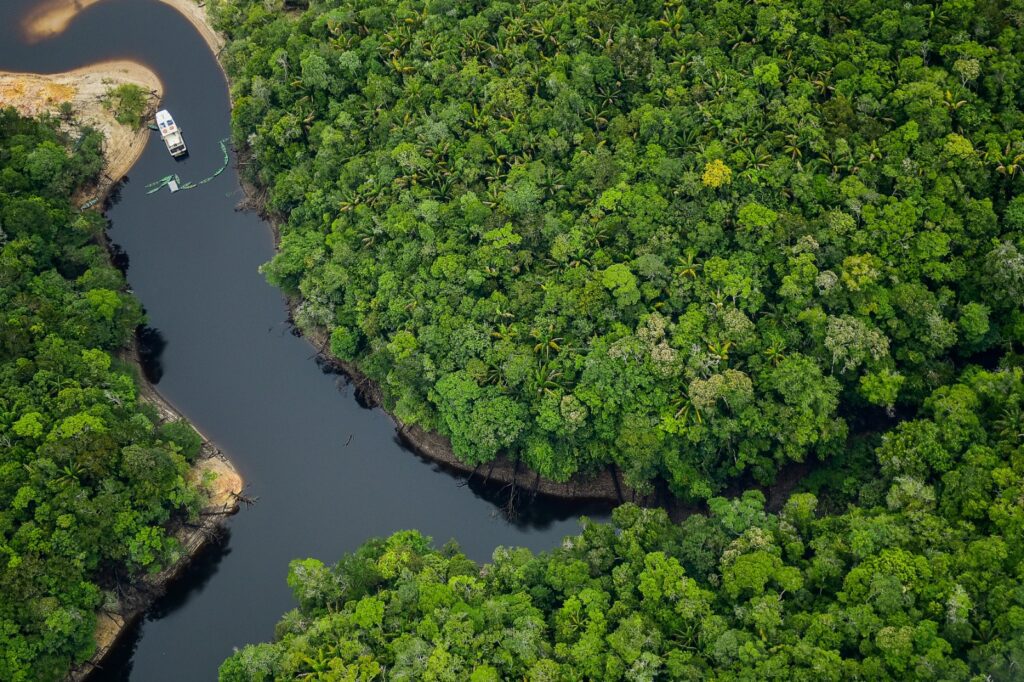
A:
{"x": 328, "y": 474}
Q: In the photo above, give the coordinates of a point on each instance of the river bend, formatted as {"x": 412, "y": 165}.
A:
{"x": 328, "y": 474}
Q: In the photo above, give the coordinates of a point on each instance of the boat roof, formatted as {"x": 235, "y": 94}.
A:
{"x": 165, "y": 123}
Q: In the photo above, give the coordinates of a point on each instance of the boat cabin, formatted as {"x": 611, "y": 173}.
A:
{"x": 170, "y": 133}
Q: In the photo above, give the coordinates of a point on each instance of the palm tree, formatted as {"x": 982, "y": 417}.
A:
{"x": 552, "y": 182}
{"x": 673, "y": 18}
{"x": 475, "y": 43}
{"x": 1010, "y": 426}
{"x": 951, "y": 102}
{"x": 685, "y": 409}
{"x": 505, "y": 332}
{"x": 720, "y": 349}
{"x": 546, "y": 32}
{"x": 546, "y": 379}
{"x": 546, "y": 341}
{"x": 596, "y": 116}
{"x": 1009, "y": 162}
{"x": 775, "y": 352}
{"x": 687, "y": 267}
{"x": 609, "y": 94}
{"x": 478, "y": 120}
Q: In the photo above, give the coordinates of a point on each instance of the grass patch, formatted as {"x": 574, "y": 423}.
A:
{"x": 129, "y": 103}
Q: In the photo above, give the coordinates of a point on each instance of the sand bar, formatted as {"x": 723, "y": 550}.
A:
{"x": 34, "y": 94}
{"x": 52, "y": 17}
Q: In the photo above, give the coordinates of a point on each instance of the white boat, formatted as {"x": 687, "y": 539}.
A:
{"x": 170, "y": 133}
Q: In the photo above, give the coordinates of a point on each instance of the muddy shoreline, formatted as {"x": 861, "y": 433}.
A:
{"x": 606, "y": 486}
{"x": 212, "y": 471}
{"x": 223, "y": 496}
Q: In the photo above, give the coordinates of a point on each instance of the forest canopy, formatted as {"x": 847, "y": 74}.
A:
{"x": 692, "y": 240}
{"x": 919, "y": 581}
{"x": 88, "y": 477}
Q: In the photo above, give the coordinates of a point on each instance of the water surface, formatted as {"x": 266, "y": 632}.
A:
{"x": 328, "y": 473}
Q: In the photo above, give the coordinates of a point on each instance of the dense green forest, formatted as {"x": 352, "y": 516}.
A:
{"x": 88, "y": 479}
{"x": 919, "y": 581}
{"x": 690, "y": 239}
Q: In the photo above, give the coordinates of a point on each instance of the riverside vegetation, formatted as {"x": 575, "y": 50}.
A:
{"x": 88, "y": 479}
{"x": 692, "y": 240}
{"x": 921, "y": 580}
{"x": 128, "y": 102}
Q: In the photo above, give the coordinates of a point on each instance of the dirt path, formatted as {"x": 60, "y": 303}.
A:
{"x": 34, "y": 94}
{"x": 53, "y": 16}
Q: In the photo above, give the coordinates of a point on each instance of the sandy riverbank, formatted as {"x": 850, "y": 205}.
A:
{"x": 53, "y": 16}
{"x": 84, "y": 89}
{"x": 34, "y": 94}
{"x": 222, "y": 485}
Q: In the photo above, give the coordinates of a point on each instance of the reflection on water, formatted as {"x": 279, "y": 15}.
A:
{"x": 118, "y": 257}
{"x": 118, "y": 666}
{"x": 150, "y": 343}
{"x": 328, "y": 473}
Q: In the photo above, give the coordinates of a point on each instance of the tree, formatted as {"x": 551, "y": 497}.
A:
{"x": 88, "y": 483}
{"x": 492, "y": 179}
{"x": 894, "y": 591}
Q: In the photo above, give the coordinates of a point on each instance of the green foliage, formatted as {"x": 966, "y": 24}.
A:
{"x": 662, "y": 212}
{"x": 129, "y": 103}
{"x": 925, "y": 586}
{"x": 87, "y": 481}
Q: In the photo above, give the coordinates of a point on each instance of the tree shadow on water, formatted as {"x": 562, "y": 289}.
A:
{"x": 117, "y": 666}
{"x": 518, "y": 504}
{"x": 151, "y": 344}
{"x": 114, "y": 195}
{"x": 118, "y": 257}
{"x": 194, "y": 578}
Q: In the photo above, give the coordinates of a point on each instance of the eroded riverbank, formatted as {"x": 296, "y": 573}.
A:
{"x": 328, "y": 473}
{"x": 217, "y": 477}
{"x": 84, "y": 90}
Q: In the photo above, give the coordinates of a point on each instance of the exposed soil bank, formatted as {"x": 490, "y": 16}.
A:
{"x": 53, "y": 16}
{"x": 230, "y": 365}
{"x": 221, "y": 483}
{"x": 608, "y": 485}
{"x": 34, "y": 94}
{"x": 213, "y": 473}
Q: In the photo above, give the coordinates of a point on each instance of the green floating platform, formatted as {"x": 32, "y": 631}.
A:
{"x": 175, "y": 183}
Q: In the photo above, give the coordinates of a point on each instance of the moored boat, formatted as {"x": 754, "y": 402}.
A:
{"x": 170, "y": 133}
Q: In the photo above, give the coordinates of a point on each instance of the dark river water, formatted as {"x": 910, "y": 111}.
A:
{"x": 328, "y": 473}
